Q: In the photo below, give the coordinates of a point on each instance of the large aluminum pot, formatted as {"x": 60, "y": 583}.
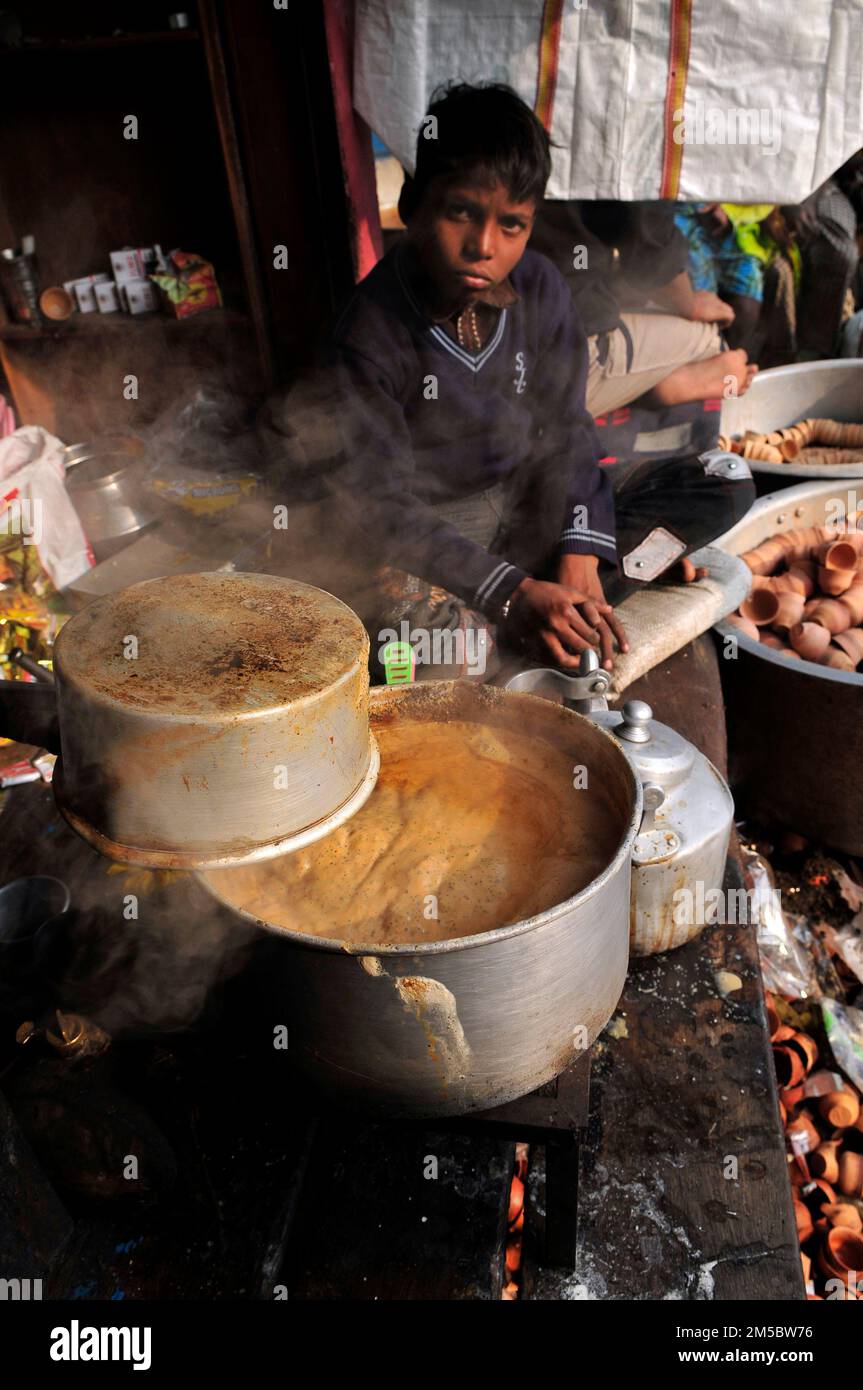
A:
{"x": 104, "y": 480}
{"x": 795, "y": 729}
{"x": 212, "y": 719}
{"x": 831, "y": 390}
{"x": 443, "y": 1028}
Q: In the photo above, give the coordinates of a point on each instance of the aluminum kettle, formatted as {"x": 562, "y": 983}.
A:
{"x": 679, "y": 853}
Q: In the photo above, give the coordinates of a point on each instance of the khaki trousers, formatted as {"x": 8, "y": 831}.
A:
{"x": 660, "y": 343}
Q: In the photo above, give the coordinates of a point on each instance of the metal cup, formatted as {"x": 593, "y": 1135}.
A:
{"x": 27, "y": 904}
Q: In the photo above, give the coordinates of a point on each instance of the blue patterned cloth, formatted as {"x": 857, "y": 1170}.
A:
{"x": 717, "y": 263}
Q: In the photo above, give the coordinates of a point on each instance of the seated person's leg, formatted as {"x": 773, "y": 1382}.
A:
{"x": 680, "y": 497}
{"x": 672, "y": 359}
{"x": 704, "y": 381}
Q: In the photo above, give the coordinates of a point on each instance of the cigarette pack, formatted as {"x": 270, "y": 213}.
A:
{"x": 133, "y": 263}
{"x": 84, "y": 290}
{"x": 107, "y": 299}
{"x": 139, "y": 296}
{"x": 13, "y": 774}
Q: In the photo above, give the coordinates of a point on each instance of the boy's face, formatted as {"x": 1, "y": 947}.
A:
{"x": 469, "y": 236}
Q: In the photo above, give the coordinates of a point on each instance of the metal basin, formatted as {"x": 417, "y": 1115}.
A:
{"x": 795, "y": 729}
{"x": 448, "y": 1027}
{"x": 783, "y": 395}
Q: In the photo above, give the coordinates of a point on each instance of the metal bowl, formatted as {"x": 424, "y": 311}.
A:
{"x": 212, "y": 719}
{"x": 795, "y": 728}
{"x": 104, "y": 481}
{"x": 781, "y": 396}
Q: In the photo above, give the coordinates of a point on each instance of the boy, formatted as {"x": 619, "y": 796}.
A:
{"x": 469, "y": 461}
{"x": 470, "y": 456}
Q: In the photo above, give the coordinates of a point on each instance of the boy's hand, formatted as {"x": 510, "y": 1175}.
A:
{"x": 570, "y": 617}
{"x": 582, "y": 572}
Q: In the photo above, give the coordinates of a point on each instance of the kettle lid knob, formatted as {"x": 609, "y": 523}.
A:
{"x": 635, "y": 727}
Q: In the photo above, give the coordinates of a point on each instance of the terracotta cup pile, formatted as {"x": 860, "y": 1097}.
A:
{"x": 806, "y": 599}
{"x": 823, "y": 1125}
{"x": 782, "y": 446}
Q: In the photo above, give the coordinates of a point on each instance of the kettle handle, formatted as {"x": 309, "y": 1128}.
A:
{"x": 653, "y": 797}
{"x": 584, "y": 693}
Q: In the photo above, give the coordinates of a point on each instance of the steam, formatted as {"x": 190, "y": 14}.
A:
{"x": 147, "y": 973}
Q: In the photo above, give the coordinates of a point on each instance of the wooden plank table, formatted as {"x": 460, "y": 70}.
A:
{"x": 683, "y": 1186}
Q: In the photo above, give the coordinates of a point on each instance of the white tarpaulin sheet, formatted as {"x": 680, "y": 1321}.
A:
{"x": 743, "y": 100}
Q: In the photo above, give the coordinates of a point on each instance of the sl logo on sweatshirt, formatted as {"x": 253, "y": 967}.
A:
{"x": 520, "y": 379}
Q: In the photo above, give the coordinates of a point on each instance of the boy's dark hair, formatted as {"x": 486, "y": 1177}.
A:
{"x": 486, "y": 129}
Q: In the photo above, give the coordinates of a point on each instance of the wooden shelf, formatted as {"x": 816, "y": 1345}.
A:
{"x": 121, "y": 325}
{"x": 103, "y": 41}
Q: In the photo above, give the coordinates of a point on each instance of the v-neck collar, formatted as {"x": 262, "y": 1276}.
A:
{"x": 440, "y": 336}
{"x": 475, "y": 361}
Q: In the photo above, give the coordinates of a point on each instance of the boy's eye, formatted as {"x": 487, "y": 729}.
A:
{"x": 458, "y": 210}
{"x": 513, "y": 224}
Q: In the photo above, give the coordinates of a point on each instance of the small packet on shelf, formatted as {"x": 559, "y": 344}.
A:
{"x": 189, "y": 286}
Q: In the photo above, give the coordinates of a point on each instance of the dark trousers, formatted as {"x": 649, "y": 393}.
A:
{"x": 678, "y": 495}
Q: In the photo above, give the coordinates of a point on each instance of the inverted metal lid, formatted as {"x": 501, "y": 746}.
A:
{"x": 211, "y": 646}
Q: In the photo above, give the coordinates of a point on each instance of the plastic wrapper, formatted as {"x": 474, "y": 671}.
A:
{"x": 26, "y": 622}
{"x": 787, "y": 966}
{"x": 844, "y": 1028}
{"x": 205, "y": 495}
{"x": 848, "y": 943}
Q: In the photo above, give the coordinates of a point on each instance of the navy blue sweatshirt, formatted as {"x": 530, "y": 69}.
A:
{"x": 423, "y": 421}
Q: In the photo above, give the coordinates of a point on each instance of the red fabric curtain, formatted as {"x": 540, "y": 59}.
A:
{"x": 358, "y": 165}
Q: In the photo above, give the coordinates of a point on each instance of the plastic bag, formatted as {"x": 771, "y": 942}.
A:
{"x": 844, "y": 1028}
{"x": 786, "y": 965}
{"x": 36, "y": 512}
{"x": 848, "y": 942}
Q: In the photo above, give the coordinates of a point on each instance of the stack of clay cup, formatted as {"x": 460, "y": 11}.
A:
{"x": 821, "y": 1114}
{"x": 806, "y": 599}
{"x": 783, "y": 446}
